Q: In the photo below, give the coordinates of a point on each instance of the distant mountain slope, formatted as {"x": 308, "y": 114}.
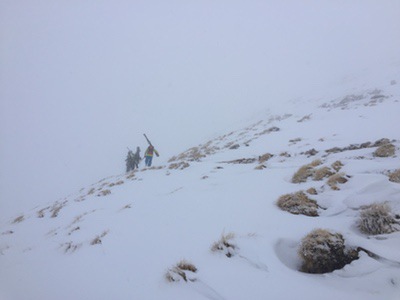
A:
{"x": 207, "y": 226}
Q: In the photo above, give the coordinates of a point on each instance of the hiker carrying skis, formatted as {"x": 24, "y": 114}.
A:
{"x": 150, "y": 151}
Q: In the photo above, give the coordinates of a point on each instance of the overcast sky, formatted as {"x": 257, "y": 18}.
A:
{"x": 82, "y": 80}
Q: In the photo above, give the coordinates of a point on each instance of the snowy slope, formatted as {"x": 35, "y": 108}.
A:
{"x": 118, "y": 238}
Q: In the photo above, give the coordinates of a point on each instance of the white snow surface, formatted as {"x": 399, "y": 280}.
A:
{"x": 118, "y": 238}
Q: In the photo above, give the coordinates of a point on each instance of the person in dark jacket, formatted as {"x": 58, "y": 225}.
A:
{"x": 136, "y": 158}
{"x": 130, "y": 161}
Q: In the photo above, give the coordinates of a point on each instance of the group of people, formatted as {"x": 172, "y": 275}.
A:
{"x": 133, "y": 159}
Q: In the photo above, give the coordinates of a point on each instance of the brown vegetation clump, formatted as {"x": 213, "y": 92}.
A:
{"x": 18, "y": 219}
{"x": 97, "y": 240}
{"x": 285, "y": 154}
{"x": 335, "y": 179}
{"x": 193, "y": 154}
{"x": 116, "y": 183}
{"x": 305, "y": 172}
{"x": 385, "y": 150}
{"x": 395, "y": 176}
{"x": 56, "y": 208}
{"x": 315, "y": 163}
{"x": 182, "y": 270}
{"x": 263, "y": 158}
{"x": 260, "y": 167}
{"x": 131, "y": 175}
{"x": 377, "y": 219}
{"x": 337, "y": 165}
{"x": 298, "y": 204}
{"x": 225, "y": 245}
{"x": 322, "y": 172}
{"x": 179, "y": 165}
{"x": 322, "y": 251}
{"x": 70, "y": 247}
{"x": 312, "y": 191}
{"x": 104, "y": 193}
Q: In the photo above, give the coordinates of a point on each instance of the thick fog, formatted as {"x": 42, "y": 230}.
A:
{"x": 80, "y": 81}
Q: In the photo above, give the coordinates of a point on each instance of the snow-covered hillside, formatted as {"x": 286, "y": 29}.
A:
{"x": 123, "y": 237}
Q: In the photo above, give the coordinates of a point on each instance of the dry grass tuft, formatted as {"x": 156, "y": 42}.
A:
{"x": 104, "y": 193}
{"x": 303, "y": 174}
{"x": 265, "y": 157}
{"x": 385, "y": 150}
{"x": 285, "y": 154}
{"x": 18, "y": 219}
{"x": 322, "y": 173}
{"x": 225, "y": 245}
{"x": 335, "y": 179}
{"x": 260, "y": 167}
{"x": 337, "y": 165}
{"x": 70, "y": 247}
{"x": 305, "y": 118}
{"x": 97, "y": 240}
{"x": 395, "y": 176}
{"x": 312, "y": 191}
{"x": 182, "y": 270}
{"x": 322, "y": 251}
{"x": 316, "y": 163}
{"x": 179, "y": 165}
{"x": 56, "y": 208}
{"x": 298, "y": 204}
{"x": 41, "y": 213}
{"x": 116, "y": 183}
{"x": 377, "y": 219}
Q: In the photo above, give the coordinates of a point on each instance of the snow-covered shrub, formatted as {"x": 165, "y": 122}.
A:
{"x": 377, "y": 219}
{"x": 395, "y": 176}
{"x": 322, "y": 251}
{"x": 182, "y": 270}
{"x": 385, "y": 150}
{"x": 322, "y": 172}
{"x": 225, "y": 245}
{"x": 335, "y": 179}
{"x": 337, "y": 165}
{"x": 298, "y": 204}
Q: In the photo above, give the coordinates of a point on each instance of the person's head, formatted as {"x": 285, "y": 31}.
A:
{"x": 137, "y": 149}
{"x": 151, "y": 147}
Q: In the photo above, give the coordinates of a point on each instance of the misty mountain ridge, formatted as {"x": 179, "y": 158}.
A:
{"x": 207, "y": 224}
